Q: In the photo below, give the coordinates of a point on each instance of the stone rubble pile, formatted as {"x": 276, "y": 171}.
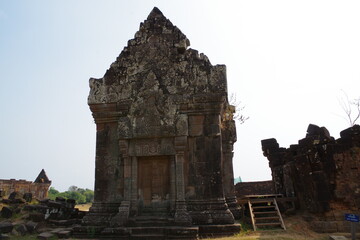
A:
{"x": 48, "y": 218}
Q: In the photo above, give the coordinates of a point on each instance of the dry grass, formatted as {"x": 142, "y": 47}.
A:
{"x": 297, "y": 229}
{"x": 83, "y": 207}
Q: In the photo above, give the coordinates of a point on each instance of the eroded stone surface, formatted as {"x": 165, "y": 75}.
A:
{"x": 165, "y": 133}
{"x": 323, "y": 173}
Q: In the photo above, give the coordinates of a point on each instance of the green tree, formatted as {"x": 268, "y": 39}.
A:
{"x": 52, "y": 193}
{"x": 80, "y": 195}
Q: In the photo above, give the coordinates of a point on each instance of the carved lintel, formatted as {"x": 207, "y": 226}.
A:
{"x": 151, "y": 147}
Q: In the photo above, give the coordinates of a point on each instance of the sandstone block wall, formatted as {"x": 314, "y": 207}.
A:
{"x": 323, "y": 173}
{"x": 39, "y": 188}
{"x": 254, "y": 188}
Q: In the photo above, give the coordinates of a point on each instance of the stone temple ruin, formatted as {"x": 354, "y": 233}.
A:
{"x": 165, "y": 135}
{"x": 38, "y": 189}
{"x": 321, "y": 173}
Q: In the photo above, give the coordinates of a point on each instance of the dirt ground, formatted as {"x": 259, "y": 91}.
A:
{"x": 296, "y": 228}
{"x": 83, "y": 207}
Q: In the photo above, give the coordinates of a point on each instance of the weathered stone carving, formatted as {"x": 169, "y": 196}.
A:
{"x": 164, "y": 145}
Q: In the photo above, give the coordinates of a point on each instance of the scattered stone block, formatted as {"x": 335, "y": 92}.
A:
{"x": 4, "y": 236}
{"x": 31, "y": 226}
{"x": 21, "y": 229}
{"x": 18, "y": 201}
{"x": 60, "y": 199}
{"x": 6, "y": 227}
{"x": 45, "y": 236}
{"x": 6, "y": 212}
{"x": 27, "y": 197}
{"x": 64, "y": 234}
{"x": 14, "y": 195}
{"x": 332, "y": 237}
{"x": 37, "y": 217}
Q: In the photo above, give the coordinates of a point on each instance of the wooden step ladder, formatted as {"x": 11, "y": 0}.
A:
{"x": 265, "y": 212}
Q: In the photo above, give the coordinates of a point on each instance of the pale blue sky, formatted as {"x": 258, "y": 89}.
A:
{"x": 287, "y": 61}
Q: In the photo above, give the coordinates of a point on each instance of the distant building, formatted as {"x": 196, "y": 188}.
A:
{"x": 39, "y": 188}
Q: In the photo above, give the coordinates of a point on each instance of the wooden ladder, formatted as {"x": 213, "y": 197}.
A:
{"x": 265, "y": 212}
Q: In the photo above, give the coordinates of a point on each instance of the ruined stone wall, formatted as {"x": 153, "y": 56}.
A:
{"x": 254, "y": 188}
{"x": 38, "y": 190}
{"x": 323, "y": 173}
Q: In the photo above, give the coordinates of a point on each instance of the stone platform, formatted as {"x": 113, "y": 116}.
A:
{"x": 156, "y": 232}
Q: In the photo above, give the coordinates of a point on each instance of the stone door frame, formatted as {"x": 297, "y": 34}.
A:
{"x": 175, "y": 147}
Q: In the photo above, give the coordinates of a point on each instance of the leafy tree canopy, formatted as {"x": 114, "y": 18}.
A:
{"x": 80, "y": 195}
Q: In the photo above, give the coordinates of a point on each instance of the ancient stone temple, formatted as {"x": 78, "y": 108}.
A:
{"x": 39, "y": 188}
{"x": 165, "y": 134}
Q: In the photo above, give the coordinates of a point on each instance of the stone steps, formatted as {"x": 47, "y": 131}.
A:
{"x": 265, "y": 212}
{"x": 151, "y": 221}
{"x": 147, "y": 230}
{"x": 147, "y": 236}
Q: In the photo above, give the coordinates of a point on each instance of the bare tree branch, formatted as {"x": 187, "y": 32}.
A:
{"x": 348, "y": 106}
{"x": 237, "y": 114}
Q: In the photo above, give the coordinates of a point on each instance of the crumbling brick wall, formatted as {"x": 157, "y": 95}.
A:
{"x": 323, "y": 173}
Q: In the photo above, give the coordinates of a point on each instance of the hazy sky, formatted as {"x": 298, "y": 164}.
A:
{"x": 287, "y": 61}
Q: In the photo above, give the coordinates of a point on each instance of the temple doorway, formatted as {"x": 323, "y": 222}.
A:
{"x": 154, "y": 184}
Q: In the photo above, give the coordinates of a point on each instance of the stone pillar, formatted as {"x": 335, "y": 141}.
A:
{"x": 107, "y": 165}
{"x": 208, "y": 205}
{"x": 172, "y": 184}
{"x": 182, "y": 216}
{"x": 127, "y": 168}
{"x": 228, "y": 135}
{"x": 134, "y": 188}
{"x": 121, "y": 218}
{"x": 229, "y": 189}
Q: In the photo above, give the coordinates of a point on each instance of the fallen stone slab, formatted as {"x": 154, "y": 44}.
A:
{"x": 21, "y": 229}
{"x": 45, "y": 236}
{"x": 4, "y": 236}
{"x": 28, "y": 197}
{"x": 36, "y": 207}
{"x": 331, "y": 237}
{"x": 6, "y": 227}
{"x": 56, "y": 230}
{"x": 65, "y": 223}
{"x": 37, "y": 217}
{"x": 64, "y": 234}
{"x": 31, "y": 226}
{"x": 6, "y": 212}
